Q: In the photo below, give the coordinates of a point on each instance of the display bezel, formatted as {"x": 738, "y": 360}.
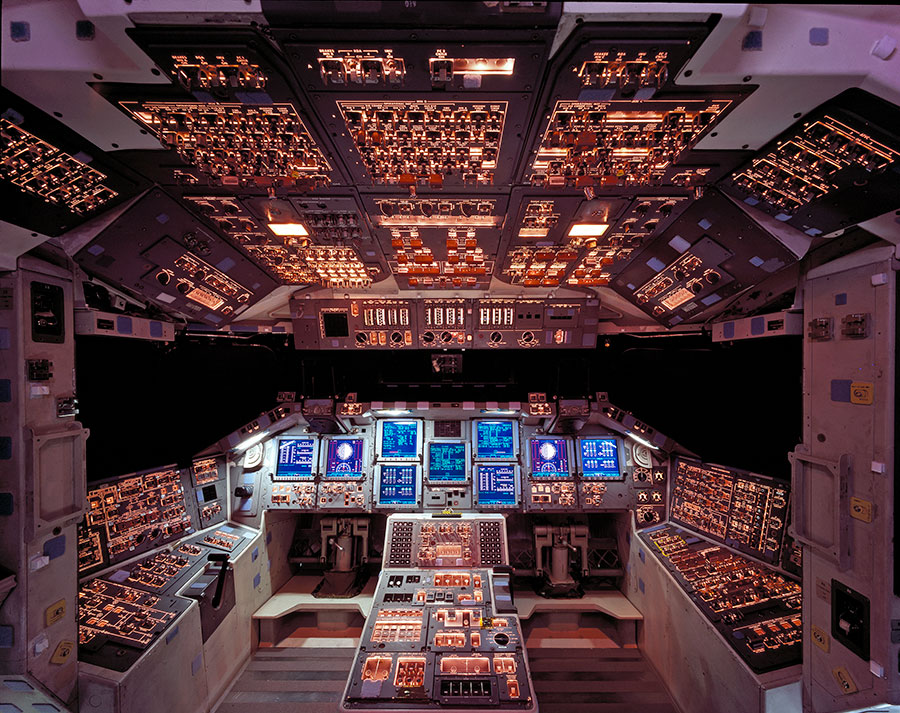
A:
{"x": 323, "y": 458}
{"x": 467, "y": 467}
{"x": 554, "y": 476}
{"x": 313, "y": 469}
{"x": 477, "y": 457}
{"x": 379, "y": 468}
{"x": 497, "y": 506}
{"x": 379, "y": 436}
{"x": 620, "y": 451}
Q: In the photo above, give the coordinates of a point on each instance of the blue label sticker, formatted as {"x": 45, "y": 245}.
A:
{"x": 840, "y": 298}
{"x": 758, "y": 326}
{"x": 55, "y": 547}
{"x": 172, "y": 634}
{"x": 840, "y": 390}
{"x": 156, "y": 329}
{"x": 7, "y": 639}
{"x": 256, "y": 580}
{"x": 254, "y": 554}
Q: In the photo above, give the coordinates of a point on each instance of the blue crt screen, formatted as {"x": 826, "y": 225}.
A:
{"x": 497, "y": 485}
{"x": 345, "y": 458}
{"x": 447, "y": 462}
{"x": 600, "y": 458}
{"x": 400, "y": 439}
{"x": 295, "y": 459}
{"x": 549, "y": 457}
{"x": 398, "y": 485}
{"x": 494, "y": 439}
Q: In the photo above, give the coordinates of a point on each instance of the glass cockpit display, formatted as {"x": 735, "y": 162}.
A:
{"x": 399, "y": 439}
{"x": 549, "y": 457}
{"x": 496, "y": 485}
{"x": 447, "y": 462}
{"x": 398, "y": 485}
{"x": 296, "y": 457}
{"x": 344, "y": 458}
{"x": 600, "y": 459}
{"x": 495, "y": 440}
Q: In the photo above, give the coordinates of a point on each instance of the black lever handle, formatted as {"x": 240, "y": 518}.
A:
{"x": 220, "y": 583}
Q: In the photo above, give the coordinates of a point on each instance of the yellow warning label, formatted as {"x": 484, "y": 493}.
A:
{"x": 55, "y": 612}
{"x": 63, "y": 651}
{"x": 842, "y": 676}
{"x": 862, "y": 392}
{"x": 820, "y": 638}
{"x": 861, "y": 509}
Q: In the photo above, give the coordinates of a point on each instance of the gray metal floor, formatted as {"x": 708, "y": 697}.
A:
{"x": 311, "y": 680}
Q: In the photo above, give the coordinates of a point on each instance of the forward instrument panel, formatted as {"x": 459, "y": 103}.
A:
{"x": 450, "y": 461}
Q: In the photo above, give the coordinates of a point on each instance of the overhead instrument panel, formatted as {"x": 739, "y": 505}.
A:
{"x": 429, "y": 143}
{"x": 51, "y": 179}
{"x": 232, "y": 113}
{"x": 446, "y": 242}
{"x": 621, "y": 143}
{"x": 832, "y": 169}
{"x": 624, "y": 61}
{"x": 175, "y": 262}
{"x": 607, "y": 254}
{"x": 610, "y": 116}
{"x": 549, "y": 235}
{"x": 241, "y": 145}
{"x": 375, "y": 61}
{"x": 711, "y": 252}
{"x": 222, "y": 64}
{"x": 324, "y": 242}
{"x": 425, "y": 110}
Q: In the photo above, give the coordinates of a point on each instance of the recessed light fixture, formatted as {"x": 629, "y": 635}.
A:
{"x": 285, "y": 230}
{"x": 587, "y": 230}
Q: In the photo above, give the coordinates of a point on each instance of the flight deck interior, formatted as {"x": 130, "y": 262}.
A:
{"x": 338, "y": 341}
